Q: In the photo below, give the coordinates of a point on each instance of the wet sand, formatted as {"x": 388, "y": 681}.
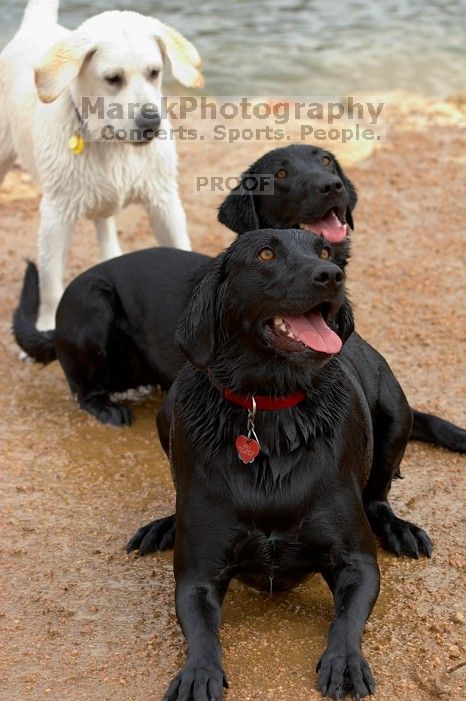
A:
{"x": 82, "y": 621}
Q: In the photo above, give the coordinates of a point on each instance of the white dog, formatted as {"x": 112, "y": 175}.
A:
{"x": 46, "y": 74}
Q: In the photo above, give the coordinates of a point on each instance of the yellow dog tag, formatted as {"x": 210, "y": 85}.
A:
{"x": 76, "y": 144}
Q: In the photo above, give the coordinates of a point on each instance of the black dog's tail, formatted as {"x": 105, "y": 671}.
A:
{"x": 39, "y": 345}
{"x": 433, "y": 429}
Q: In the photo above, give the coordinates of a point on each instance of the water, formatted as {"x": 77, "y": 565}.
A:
{"x": 306, "y": 47}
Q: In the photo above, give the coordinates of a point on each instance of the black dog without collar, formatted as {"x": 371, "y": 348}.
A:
{"x": 116, "y": 322}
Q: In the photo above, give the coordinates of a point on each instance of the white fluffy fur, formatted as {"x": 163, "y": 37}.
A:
{"x": 105, "y": 176}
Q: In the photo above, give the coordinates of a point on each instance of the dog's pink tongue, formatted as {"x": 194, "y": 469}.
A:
{"x": 330, "y": 228}
{"x": 314, "y": 332}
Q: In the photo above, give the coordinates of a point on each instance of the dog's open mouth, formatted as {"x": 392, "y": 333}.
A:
{"x": 310, "y": 330}
{"x": 332, "y": 226}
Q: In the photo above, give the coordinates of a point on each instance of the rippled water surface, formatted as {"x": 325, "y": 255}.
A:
{"x": 306, "y": 47}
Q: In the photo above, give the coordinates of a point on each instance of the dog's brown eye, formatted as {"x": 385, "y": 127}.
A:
{"x": 266, "y": 254}
{"x": 154, "y": 74}
{"x": 116, "y": 79}
{"x": 326, "y": 160}
{"x": 325, "y": 253}
{"x": 281, "y": 173}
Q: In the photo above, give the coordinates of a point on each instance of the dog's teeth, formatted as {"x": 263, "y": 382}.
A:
{"x": 280, "y": 324}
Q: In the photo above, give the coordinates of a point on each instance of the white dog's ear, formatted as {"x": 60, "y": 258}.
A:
{"x": 61, "y": 64}
{"x": 183, "y": 56}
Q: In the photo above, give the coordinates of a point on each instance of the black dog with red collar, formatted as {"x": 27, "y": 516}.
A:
{"x": 268, "y": 320}
{"x": 248, "y": 447}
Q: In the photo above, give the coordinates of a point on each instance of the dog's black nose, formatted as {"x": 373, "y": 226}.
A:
{"x": 331, "y": 184}
{"x": 148, "y": 120}
{"x": 328, "y": 275}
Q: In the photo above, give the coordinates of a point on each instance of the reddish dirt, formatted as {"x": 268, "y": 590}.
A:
{"x": 82, "y": 621}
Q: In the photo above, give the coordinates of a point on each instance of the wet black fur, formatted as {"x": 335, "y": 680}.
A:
{"x": 307, "y": 501}
{"x": 297, "y": 199}
{"x": 116, "y": 322}
{"x": 39, "y": 344}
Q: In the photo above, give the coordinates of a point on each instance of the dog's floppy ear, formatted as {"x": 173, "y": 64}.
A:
{"x": 345, "y": 321}
{"x": 198, "y": 326}
{"x": 238, "y": 211}
{"x": 183, "y": 56}
{"x": 61, "y": 65}
{"x": 353, "y": 195}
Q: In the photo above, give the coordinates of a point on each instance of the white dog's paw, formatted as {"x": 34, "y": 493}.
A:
{"x": 25, "y": 358}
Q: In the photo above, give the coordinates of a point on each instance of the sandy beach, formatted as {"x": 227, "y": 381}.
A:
{"x": 82, "y": 621}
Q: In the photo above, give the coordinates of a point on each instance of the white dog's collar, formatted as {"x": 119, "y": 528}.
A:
{"x": 76, "y": 143}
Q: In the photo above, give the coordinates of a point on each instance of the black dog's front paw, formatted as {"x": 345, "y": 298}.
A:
{"x": 396, "y": 535}
{"x": 154, "y": 536}
{"x": 106, "y": 411}
{"x": 344, "y": 675}
{"x": 197, "y": 683}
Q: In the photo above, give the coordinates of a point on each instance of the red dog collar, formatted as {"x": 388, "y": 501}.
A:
{"x": 264, "y": 402}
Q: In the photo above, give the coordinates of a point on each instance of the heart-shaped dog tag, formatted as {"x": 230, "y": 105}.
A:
{"x": 248, "y": 449}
